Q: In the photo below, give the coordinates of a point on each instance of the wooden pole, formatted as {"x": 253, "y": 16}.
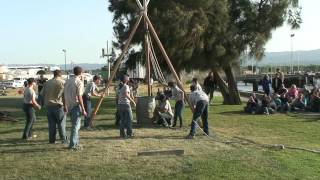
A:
{"x": 117, "y": 65}
{"x": 147, "y": 50}
{"x": 167, "y": 59}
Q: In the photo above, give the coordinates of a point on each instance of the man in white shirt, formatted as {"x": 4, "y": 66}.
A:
{"x": 199, "y": 101}
{"x": 178, "y": 96}
{"x": 73, "y": 91}
{"x": 124, "y": 108}
{"x": 90, "y": 91}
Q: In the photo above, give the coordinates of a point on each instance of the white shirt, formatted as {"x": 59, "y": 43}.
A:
{"x": 72, "y": 89}
{"x": 122, "y": 95}
{"x": 177, "y": 94}
{"x": 197, "y": 96}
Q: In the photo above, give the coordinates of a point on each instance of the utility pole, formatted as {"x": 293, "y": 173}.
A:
{"x": 291, "y": 54}
{"x": 65, "y": 60}
{"x": 108, "y": 62}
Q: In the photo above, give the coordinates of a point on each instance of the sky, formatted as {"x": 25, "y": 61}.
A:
{"x": 36, "y": 31}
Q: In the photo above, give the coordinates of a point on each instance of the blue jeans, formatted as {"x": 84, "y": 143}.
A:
{"x": 75, "y": 114}
{"x": 30, "y": 119}
{"x": 126, "y": 118}
{"x": 201, "y": 110}
{"x": 178, "y": 112}
{"x": 56, "y": 118}
{"x": 88, "y": 108}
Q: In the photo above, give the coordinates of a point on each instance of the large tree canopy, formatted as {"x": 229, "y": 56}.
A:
{"x": 208, "y": 34}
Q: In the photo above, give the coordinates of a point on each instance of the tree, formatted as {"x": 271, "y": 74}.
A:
{"x": 209, "y": 34}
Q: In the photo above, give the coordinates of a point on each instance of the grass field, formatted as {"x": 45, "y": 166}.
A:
{"x": 105, "y": 156}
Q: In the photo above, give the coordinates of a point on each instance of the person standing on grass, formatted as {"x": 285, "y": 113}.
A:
{"x": 124, "y": 108}
{"x": 266, "y": 84}
{"x": 53, "y": 100}
{"x": 91, "y": 90}
{"x": 178, "y": 96}
{"x": 209, "y": 85}
{"x": 41, "y": 82}
{"x": 196, "y": 83}
{"x": 29, "y": 106}
{"x": 199, "y": 101}
{"x": 73, "y": 91}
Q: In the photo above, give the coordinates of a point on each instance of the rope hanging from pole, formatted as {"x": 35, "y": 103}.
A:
{"x": 155, "y": 63}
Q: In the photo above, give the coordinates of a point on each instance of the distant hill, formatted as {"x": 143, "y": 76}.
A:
{"x": 283, "y": 58}
{"x": 85, "y": 66}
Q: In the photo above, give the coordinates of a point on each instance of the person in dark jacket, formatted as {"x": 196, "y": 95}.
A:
{"x": 209, "y": 85}
{"x": 276, "y": 82}
{"x": 266, "y": 84}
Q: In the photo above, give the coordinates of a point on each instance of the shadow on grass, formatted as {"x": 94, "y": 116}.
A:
{"x": 112, "y": 138}
{"x": 21, "y": 130}
{"x": 234, "y": 113}
{"x": 33, "y": 150}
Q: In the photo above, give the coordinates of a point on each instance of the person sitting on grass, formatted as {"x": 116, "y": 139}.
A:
{"x": 285, "y": 107}
{"x": 276, "y": 102}
{"x": 292, "y": 93}
{"x": 252, "y": 104}
{"x": 163, "y": 111}
{"x": 90, "y": 91}
{"x": 29, "y": 106}
{"x": 315, "y": 100}
{"x": 266, "y": 105}
{"x": 199, "y": 101}
{"x": 298, "y": 104}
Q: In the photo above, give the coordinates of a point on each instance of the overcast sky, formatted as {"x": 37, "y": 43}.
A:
{"x": 36, "y": 31}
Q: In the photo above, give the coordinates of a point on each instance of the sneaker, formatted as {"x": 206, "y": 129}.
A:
{"x": 76, "y": 148}
{"x": 190, "y": 136}
{"x": 131, "y": 135}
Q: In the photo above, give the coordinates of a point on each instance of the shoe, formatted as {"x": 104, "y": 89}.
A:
{"x": 190, "y": 136}
{"x": 76, "y": 148}
{"x": 131, "y": 136}
{"x": 88, "y": 129}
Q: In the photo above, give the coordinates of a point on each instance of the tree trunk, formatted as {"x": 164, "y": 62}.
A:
{"x": 232, "y": 86}
{"x": 222, "y": 87}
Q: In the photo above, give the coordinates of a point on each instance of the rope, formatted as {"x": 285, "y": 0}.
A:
{"x": 245, "y": 141}
{"x": 155, "y": 63}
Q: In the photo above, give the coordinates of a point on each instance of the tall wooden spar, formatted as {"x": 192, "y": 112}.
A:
{"x": 149, "y": 27}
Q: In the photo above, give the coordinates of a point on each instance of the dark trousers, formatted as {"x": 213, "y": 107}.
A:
{"x": 178, "y": 108}
{"x": 88, "y": 108}
{"x": 209, "y": 91}
{"x": 56, "y": 119}
{"x": 126, "y": 118}
{"x": 201, "y": 110}
{"x": 30, "y": 119}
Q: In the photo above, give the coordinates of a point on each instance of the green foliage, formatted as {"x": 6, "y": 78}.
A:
{"x": 208, "y": 34}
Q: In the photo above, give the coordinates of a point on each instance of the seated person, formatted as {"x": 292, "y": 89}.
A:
{"x": 284, "y": 98}
{"x": 266, "y": 105}
{"x": 292, "y": 93}
{"x": 276, "y": 102}
{"x": 252, "y": 104}
{"x": 163, "y": 112}
{"x": 315, "y": 100}
{"x": 298, "y": 103}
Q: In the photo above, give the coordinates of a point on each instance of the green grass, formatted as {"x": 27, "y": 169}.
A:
{"x": 105, "y": 156}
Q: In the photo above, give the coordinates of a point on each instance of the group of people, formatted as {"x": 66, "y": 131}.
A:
{"x": 60, "y": 97}
{"x": 283, "y": 99}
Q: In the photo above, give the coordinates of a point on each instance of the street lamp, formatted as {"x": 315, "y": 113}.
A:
{"x": 65, "y": 60}
{"x": 291, "y": 54}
